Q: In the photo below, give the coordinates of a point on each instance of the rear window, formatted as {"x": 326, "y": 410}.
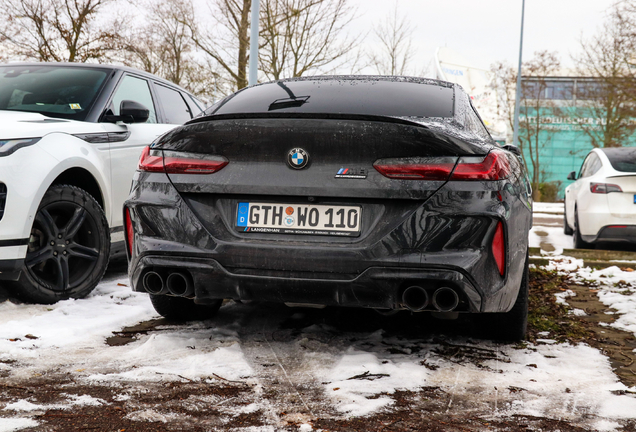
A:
{"x": 622, "y": 159}
{"x": 342, "y": 96}
{"x": 64, "y": 92}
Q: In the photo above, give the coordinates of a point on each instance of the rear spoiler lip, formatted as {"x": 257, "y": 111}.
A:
{"x": 326, "y": 116}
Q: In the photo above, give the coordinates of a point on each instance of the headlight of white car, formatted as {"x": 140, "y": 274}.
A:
{"x": 9, "y": 146}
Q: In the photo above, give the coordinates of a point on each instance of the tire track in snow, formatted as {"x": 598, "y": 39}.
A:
{"x": 290, "y": 392}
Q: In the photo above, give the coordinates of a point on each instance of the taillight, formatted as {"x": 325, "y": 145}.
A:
{"x": 190, "y": 163}
{"x": 172, "y": 162}
{"x": 416, "y": 168}
{"x": 151, "y": 160}
{"x": 604, "y": 188}
{"x": 130, "y": 235}
{"x": 499, "y": 248}
{"x": 495, "y": 166}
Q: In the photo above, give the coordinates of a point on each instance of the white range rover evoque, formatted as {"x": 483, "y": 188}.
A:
{"x": 70, "y": 140}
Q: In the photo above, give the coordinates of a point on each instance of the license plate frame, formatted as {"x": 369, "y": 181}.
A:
{"x": 301, "y": 219}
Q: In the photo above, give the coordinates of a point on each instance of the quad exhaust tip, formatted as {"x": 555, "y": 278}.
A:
{"x": 445, "y": 299}
{"x": 153, "y": 283}
{"x": 179, "y": 284}
{"x": 415, "y": 298}
{"x": 176, "y": 283}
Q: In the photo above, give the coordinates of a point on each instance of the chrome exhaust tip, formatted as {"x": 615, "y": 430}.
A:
{"x": 180, "y": 284}
{"x": 445, "y": 299}
{"x": 153, "y": 283}
{"x": 415, "y": 298}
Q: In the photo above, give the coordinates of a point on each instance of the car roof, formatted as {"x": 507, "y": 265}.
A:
{"x": 99, "y": 66}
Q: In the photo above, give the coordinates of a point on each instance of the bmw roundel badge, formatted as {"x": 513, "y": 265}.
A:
{"x": 297, "y": 158}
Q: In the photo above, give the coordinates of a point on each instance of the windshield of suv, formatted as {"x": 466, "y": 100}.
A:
{"x": 63, "y": 92}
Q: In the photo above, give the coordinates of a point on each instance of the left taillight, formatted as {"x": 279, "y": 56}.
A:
{"x": 494, "y": 166}
{"x": 130, "y": 234}
{"x": 172, "y": 162}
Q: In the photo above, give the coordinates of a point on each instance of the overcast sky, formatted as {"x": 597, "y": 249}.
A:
{"x": 485, "y": 31}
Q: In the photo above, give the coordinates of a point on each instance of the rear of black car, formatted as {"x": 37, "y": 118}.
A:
{"x": 336, "y": 191}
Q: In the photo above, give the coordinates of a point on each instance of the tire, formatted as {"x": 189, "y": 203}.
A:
{"x": 509, "y": 326}
{"x": 577, "y": 240}
{"x": 68, "y": 247}
{"x": 567, "y": 229}
{"x": 183, "y": 309}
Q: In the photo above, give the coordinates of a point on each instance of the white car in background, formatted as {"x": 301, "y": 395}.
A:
{"x": 601, "y": 204}
{"x": 70, "y": 140}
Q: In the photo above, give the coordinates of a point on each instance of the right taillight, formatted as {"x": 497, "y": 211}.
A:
{"x": 604, "y": 188}
{"x": 172, "y": 162}
{"x": 499, "y": 248}
{"x": 151, "y": 160}
{"x": 416, "y": 168}
{"x": 130, "y": 234}
{"x": 494, "y": 166}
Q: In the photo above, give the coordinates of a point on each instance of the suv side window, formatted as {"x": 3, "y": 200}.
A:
{"x": 134, "y": 89}
{"x": 174, "y": 107}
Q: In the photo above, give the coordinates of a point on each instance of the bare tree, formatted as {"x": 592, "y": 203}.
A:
{"x": 503, "y": 82}
{"x": 535, "y": 131}
{"x": 304, "y": 36}
{"x": 226, "y": 38}
{"x": 610, "y": 93}
{"x": 159, "y": 42}
{"x": 54, "y": 30}
{"x": 296, "y": 37}
{"x": 394, "y": 40}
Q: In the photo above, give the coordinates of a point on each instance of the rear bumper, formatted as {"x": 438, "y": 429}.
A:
{"x": 614, "y": 234}
{"x": 376, "y": 287}
{"x": 444, "y": 241}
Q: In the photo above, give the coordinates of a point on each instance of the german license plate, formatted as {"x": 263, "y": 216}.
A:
{"x": 298, "y": 219}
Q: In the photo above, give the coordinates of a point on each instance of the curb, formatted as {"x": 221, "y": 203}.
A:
{"x": 591, "y": 257}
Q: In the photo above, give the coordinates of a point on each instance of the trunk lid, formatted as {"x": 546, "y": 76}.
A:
{"x": 340, "y": 154}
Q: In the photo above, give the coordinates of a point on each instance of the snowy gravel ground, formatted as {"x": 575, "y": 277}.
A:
{"x": 318, "y": 367}
{"x": 247, "y": 344}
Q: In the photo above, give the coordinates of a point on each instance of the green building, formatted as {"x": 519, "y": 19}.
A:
{"x": 563, "y": 115}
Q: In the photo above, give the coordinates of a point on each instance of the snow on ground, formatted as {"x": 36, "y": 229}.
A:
{"x": 15, "y": 424}
{"x": 550, "y": 235}
{"x": 358, "y": 373}
{"x": 550, "y": 208}
{"x": 617, "y": 290}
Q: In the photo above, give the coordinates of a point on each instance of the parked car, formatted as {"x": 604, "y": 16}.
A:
{"x": 601, "y": 204}
{"x": 375, "y": 192}
{"x": 70, "y": 141}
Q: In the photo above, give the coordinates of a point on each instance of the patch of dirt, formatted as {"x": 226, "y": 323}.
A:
{"x": 172, "y": 406}
{"x": 427, "y": 410}
{"x": 129, "y": 334}
{"x": 546, "y": 314}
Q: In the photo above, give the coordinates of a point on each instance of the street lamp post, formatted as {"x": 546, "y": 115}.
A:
{"x": 515, "y": 132}
{"x": 253, "y": 75}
